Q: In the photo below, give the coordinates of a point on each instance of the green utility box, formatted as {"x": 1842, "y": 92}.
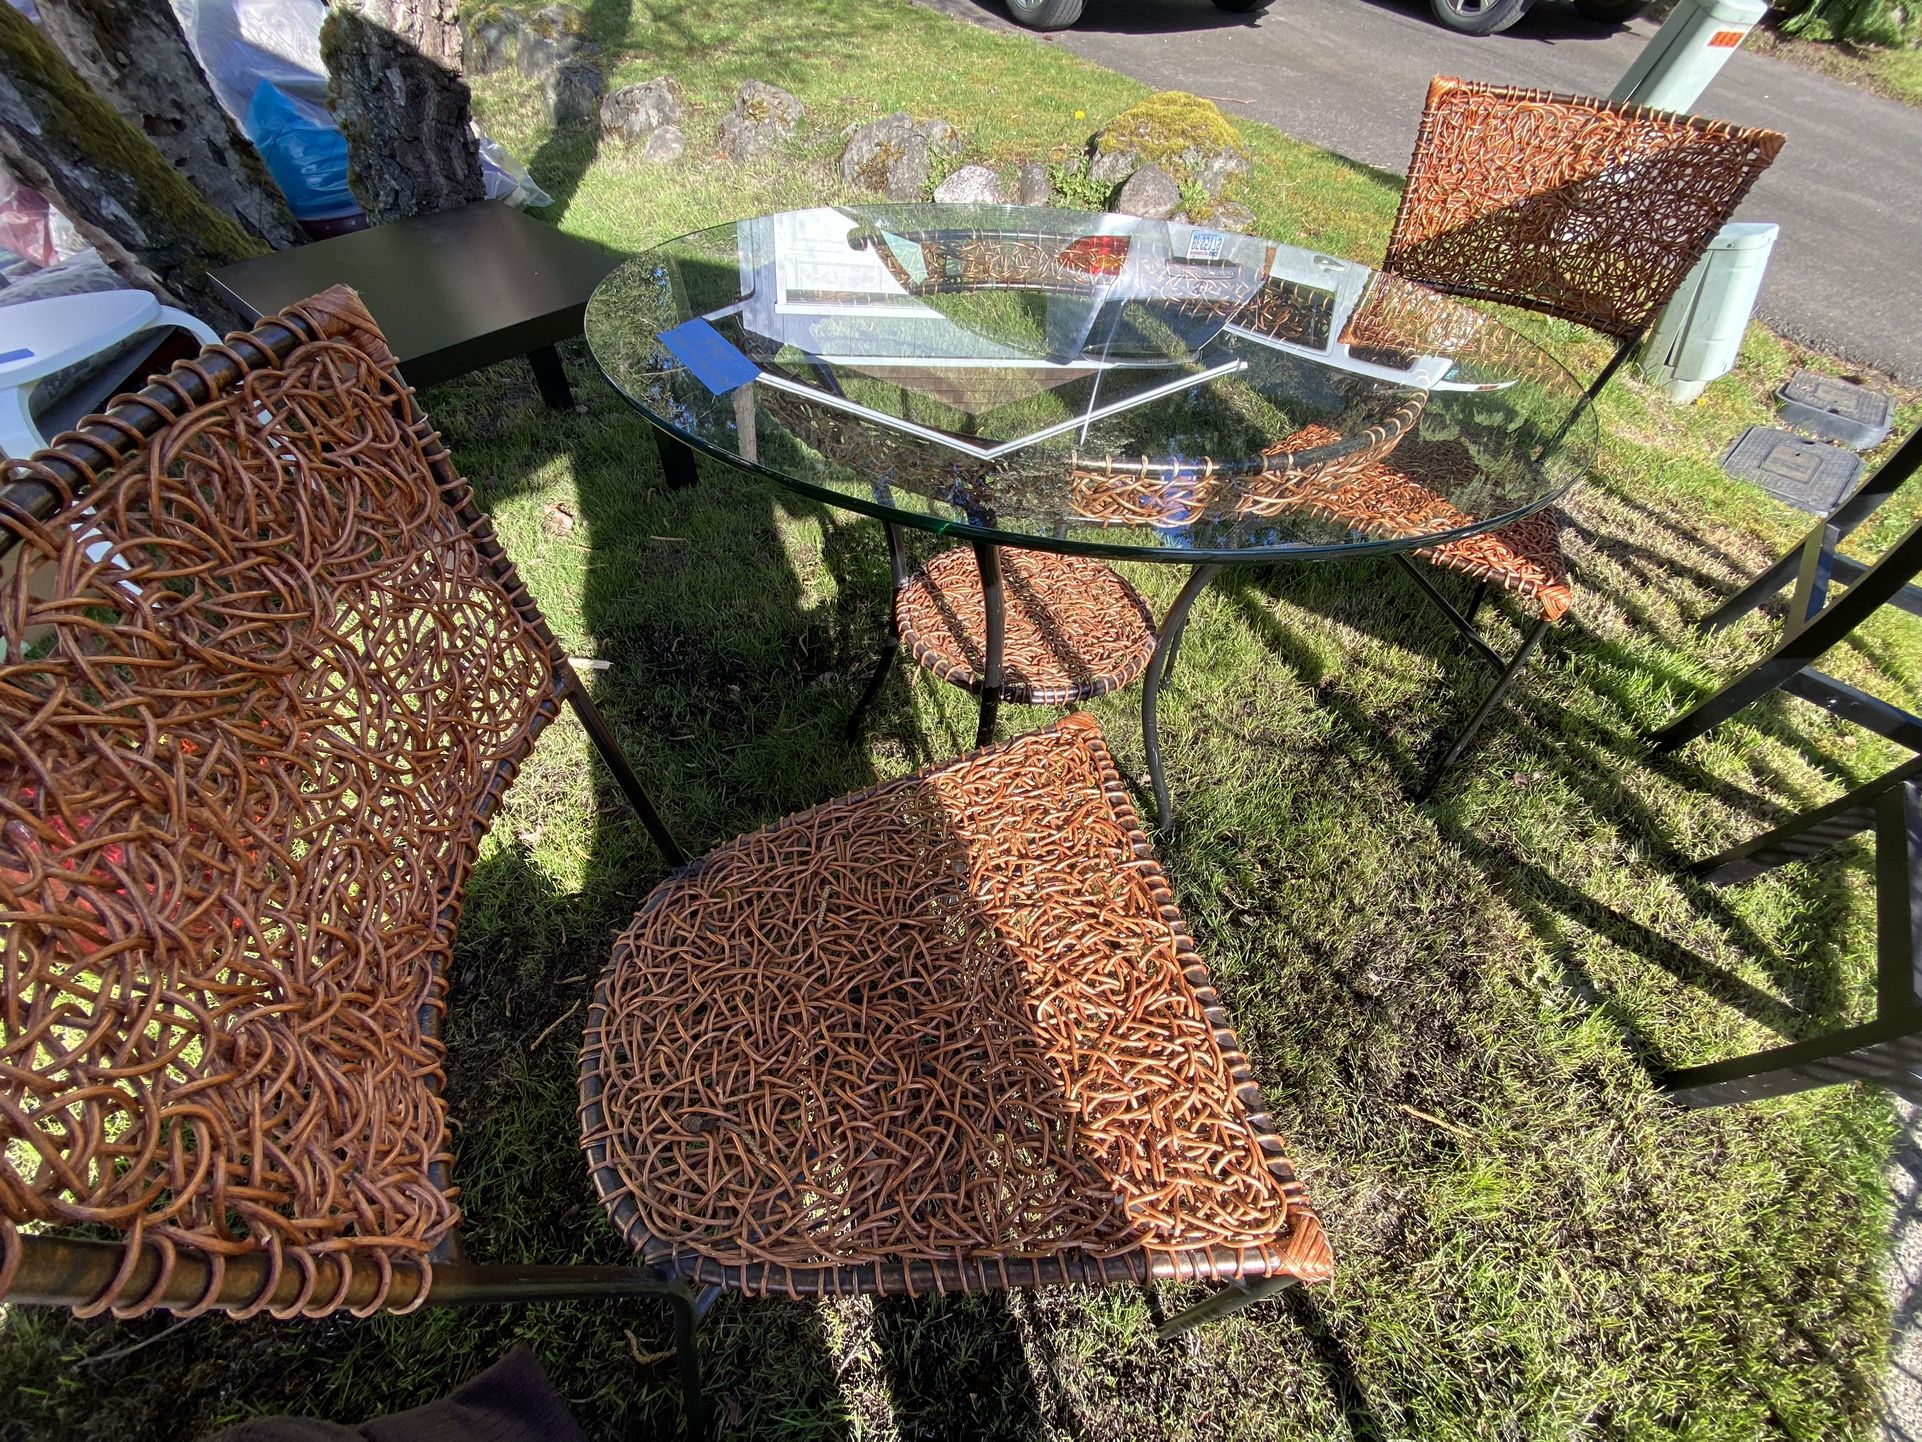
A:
{"x": 1699, "y": 335}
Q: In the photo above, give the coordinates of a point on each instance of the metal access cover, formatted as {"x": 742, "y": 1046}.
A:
{"x": 1808, "y": 475}
{"x": 1836, "y": 410}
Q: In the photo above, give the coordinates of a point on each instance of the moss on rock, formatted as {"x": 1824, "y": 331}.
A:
{"x": 1167, "y": 125}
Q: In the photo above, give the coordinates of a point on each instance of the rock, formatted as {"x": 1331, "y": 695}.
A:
{"x": 942, "y": 138}
{"x": 548, "y": 37}
{"x": 1184, "y": 135}
{"x": 892, "y": 154}
{"x": 1032, "y": 186}
{"x": 763, "y": 116}
{"x": 664, "y": 146}
{"x": 1231, "y": 215}
{"x": 971, "y": 185}
{"x": 1111, "y": 167}
{"x": 1150, "y": 192}
{"x": 634, "y": 112}
{"x": 571, "y": 93}
{"x": 493, "y": 35}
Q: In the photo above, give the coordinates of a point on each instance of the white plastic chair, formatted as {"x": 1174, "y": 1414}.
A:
{"x": 41, "y": 337}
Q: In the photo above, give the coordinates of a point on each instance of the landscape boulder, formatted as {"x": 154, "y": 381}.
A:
{"x": 893, "y": 154}
{"x": 1032, "y": 186}
{"x": 763, "y": 116}
{"x": 571, "y": 93}
{"x": 633, "y": 113}
{"x": 1149, "y": 192}
{"x": 1185, "y": 136}
{"x": 664, "y": 146}
{"x": 971, "y": 185}
{"x": 493, "y": 34}
{"x": 1231, "y": 215}
{"x": 549, "y": 37}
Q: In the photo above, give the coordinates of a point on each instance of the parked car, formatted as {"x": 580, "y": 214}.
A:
{"x": 1491, "y": 17}
{"x": 1060, "y": 14}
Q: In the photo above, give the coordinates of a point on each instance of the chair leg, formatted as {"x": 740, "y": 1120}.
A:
{"x": 1475, "y": 602}
{"x": 687, "y": 1310}
{"x": 1482, "y": 712}
{"x": 890, "y": 648}
{"x": 1858, "y": 1053}
{"x": 1225, "y": 1303}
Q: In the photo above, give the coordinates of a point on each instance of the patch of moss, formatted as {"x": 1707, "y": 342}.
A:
{"x": 1168, "y": 126}
{"x": 77, "y": 123}
{"x": 557, "y": 20}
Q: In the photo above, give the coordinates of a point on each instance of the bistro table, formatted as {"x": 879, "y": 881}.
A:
{"x": 1087, "y": 384}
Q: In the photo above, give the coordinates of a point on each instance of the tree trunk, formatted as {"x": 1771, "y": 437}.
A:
{"x": 431, "y": 26}
{"x": 407, "y": 116}
{"x": 146, "y": 219}
{"x": 132, "y": 52}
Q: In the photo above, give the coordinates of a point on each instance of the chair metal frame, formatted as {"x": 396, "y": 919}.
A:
{"x": 1420, "y": 253}
{"x": 1888, "y": 1049}
{"x": 91, "y": 1276}
{"x": 1815, "y": 624}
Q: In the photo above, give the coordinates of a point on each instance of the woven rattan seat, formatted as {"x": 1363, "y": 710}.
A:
{"x": 1075, "y": 628}
{"x": 948, "y": 1033}
{"x": 1386, "y": 500}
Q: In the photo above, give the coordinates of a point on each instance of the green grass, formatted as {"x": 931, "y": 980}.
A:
{"x": 1453, "y": 1008}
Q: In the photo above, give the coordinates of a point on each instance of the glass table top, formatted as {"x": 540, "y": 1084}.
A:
{"x": 1085, "y": 382}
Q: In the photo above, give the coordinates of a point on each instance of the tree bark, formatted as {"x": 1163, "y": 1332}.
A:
{"x": 133, "y": 54}
{"x": 145, "y": 218}
{"x": 407, "y": 116}
{"x": 431, "y": 26}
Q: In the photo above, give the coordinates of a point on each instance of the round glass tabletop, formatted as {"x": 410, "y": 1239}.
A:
{"x": 1073, "y": 381}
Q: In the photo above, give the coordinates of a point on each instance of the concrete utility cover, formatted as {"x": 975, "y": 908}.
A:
{"x": 1808, "y": 475}
{"x": 1836, "y": 410}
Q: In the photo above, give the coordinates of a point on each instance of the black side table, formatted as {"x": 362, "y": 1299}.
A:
{"x": 453, "y": 292}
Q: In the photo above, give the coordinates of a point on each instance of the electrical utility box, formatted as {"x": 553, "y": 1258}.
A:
{"x": 1693, "y": 44}
{"x": 1699, "y": 334}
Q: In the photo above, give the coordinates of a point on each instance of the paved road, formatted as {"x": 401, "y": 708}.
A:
{"x": 1350, "y": 75}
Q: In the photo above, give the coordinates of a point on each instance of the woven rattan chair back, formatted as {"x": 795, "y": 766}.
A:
{"x": 1586, "y": 209}
{"x": 266, "y": 677}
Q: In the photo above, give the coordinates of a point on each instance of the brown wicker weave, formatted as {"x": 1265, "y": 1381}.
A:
{"x": 1394, "y": 497}
{"x": 244, "y": 781}
{"x": 1075, "y": 629}
{"x": 1586, "y": 209}
{"x": 949, "y": 1033}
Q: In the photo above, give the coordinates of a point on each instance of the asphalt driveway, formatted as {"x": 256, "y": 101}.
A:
{"x": 1350, "y": 75}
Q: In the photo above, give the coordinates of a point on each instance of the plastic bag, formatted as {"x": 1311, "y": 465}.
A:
{"x": 308, "y": 158}
{"x": 242, "y": 44}
{"x": 507, "y": 179}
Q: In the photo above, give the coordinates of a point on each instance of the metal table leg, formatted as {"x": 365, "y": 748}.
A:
{"x": 989, "y": 562}
{"x": 1172, "y": 625}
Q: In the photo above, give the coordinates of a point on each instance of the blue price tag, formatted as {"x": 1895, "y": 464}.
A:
{"x": 714, "y": 361}
{"x": 12, "y": 355}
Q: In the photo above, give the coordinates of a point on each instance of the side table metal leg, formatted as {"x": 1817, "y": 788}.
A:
{"x": 1172, "y": 625}
{"x": 989, "y": 562}
{"x": 551, "y": 377}
{"x": 677, "y": 461}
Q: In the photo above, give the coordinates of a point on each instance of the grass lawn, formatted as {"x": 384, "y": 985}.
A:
{"x": 1453, "y": 1008}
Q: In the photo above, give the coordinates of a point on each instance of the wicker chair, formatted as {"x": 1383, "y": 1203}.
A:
{"x": 956, "y": 1036}
{"x": 1586, "y": 209}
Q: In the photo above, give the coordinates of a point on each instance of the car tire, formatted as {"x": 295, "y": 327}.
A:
{"x": 1241, "y": 7}
{"x": 1045, "y": 14}
{"x": 1611, "y": 12}
{"x": 1478, "y": 17}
